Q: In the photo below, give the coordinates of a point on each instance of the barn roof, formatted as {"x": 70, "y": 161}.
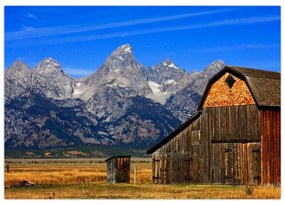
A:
{"x": 174, "y": 133}
{"x": 263, "y": 85}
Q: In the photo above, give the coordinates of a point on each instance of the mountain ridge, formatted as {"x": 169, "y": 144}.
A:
{"x": 123, "y": 102}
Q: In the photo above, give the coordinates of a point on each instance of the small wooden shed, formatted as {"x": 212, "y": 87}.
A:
{"x": 118, "y": 169}
{"x": 234, "y": 138}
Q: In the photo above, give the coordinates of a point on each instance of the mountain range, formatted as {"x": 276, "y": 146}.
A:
{"x": 122, "y": 103}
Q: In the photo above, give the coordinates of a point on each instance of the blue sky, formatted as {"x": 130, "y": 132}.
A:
{"x": 81, "y": 38}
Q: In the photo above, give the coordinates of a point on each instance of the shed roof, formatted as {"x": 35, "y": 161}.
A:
{"x": 263, "y": 85}
{"x": 118, "y": 156}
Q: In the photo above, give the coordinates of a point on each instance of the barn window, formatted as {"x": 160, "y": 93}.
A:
{"x": 230, "y": 81}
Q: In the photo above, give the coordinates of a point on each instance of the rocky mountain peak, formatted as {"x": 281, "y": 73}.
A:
{"x": 126, "y": 48}
{"x": 48, "y": 66}
{"x": 165, "y": 79}
{"x": 165, "y": 71}
{"x": 213, "y": 68}
{"x": 122, "y": 53}
{"x": 122, "y": 103}
{"x": 184, "y": 102}
{"x": 17, "y": 80}
{"x": 169, "y": 64}
{"x": 19, "y": 65}
{"x": 121, "y": 57}
{"x": 120, "y": 71}
{"x": 18, "y": 69}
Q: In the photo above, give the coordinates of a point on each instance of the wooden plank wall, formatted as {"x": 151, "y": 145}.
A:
{"x": 111, "y": 171}
{"x": 123, "y": 170}
{"x": 183, "y": 159}
{"x": 215, "y": 148}
{"x": 270, "y": 147}
{"x": 236, "y": 163}
{"x": 232, "y": 124}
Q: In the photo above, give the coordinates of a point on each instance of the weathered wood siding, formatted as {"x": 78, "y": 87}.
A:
{"x": 236, "y": 163}
{"x": 221, "y": 95}
{"x": 221, "y": 146}
{"x": 232, "y": 124}
{"x": 183, "y": 159}
{"x": 123, "y": 170}
{"x": 270, "y": 147}
{"x": 232, "y": 133}
{"x": 111, "y": 171}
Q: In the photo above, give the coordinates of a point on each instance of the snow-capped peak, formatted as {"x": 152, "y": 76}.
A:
{"x": 126, "y": 48}
{"x": 173, "y": 66}
{"x": 166, "y": 62}
{"x": 169, "y": 63}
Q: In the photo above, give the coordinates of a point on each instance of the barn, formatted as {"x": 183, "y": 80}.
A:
{"x": 234, "y": 138}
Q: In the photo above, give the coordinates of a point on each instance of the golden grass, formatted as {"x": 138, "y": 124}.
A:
{"x": 68, "y": 173}
{"x": 88, "y": 180}
{"x": 139, "y": 191}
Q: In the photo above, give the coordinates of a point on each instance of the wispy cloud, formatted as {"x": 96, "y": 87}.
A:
{"x": 32, "y": 16}
{"x": 57, "y": 40}
{"x": 243, "y": 21}
{"x": 27, "y": 28}
{"x": 54, "y": 31}
{"x": 237, "y": 47}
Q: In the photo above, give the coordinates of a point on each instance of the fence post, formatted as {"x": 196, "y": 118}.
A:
{"x": 135, "y": 174}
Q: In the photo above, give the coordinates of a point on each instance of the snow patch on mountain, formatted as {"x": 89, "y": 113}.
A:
{"x": 126, "y": 48}
{"x": 171, "y": 81}
{"x": 77, "y": 91}
{"x": 171, "y": 65}
{"x": 157, "y": 93}
{"x": 155, "y": 87}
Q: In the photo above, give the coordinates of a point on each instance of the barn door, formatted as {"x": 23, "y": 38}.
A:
{"x": 241, "y": 163}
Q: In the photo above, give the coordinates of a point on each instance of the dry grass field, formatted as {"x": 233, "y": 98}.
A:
{"x": 86, "y": 179}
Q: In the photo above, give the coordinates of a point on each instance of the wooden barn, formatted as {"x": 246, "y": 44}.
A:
{"x": 234, "y": 138}
{"x": 118, "y": 169}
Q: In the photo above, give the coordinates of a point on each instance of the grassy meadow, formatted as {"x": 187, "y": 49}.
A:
{"x": 86, "y": 179}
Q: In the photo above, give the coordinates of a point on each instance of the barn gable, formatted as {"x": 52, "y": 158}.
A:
{"x": 228, "y": 90}
{"x": 264, "y": 87}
